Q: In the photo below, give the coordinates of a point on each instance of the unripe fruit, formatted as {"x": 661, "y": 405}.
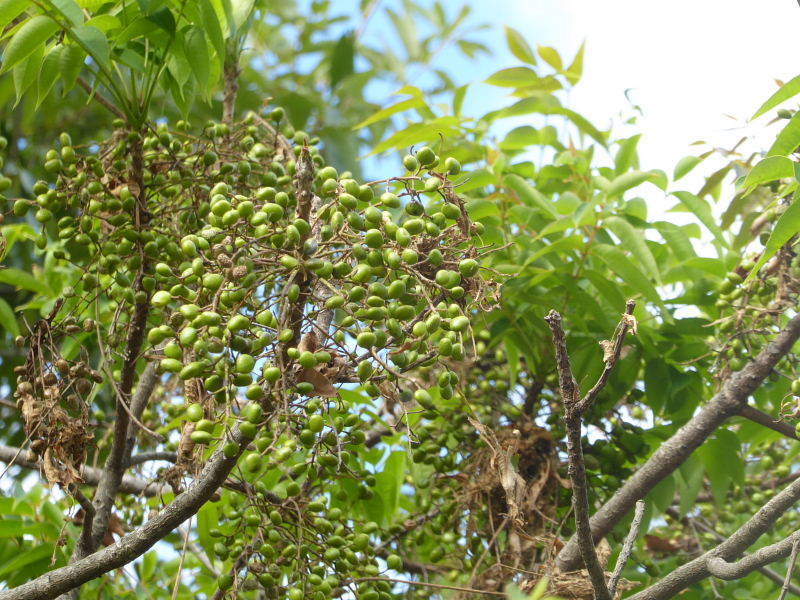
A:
{"x": 194, "y": 412}
{"x": 426, "y": 155}
{"x": 201, "y": 437}
{"x": 410, "y": 162}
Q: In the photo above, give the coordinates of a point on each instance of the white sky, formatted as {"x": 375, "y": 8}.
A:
{"x": 689, "y": 63}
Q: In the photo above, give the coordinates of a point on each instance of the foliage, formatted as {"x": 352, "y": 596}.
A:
{"x": 397, "y": 415}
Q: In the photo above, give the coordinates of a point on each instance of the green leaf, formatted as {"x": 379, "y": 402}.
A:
{"x": 25, "y": 281}
{"x": 95, "y": 42}
{"x": 702, "y": 211}
{"x": 551, "y": 107}
{"x": 10, "y": 10}
{"x": 26, "y": 557}
{"x": 788, "y": 226}
{"x": 627, "y": 156}
{"x": 519, "y": 47}
{"x": 419, "y": 132}
{"x": 342, "y": 59}
{"x": 663, "y": 494}
{"x": 18, "y": 527}
{"x": 387, "y": 112}
{"x": 213, "y": 28}
{"x": 515, "y": 77}
{"x": 787, "y": 90}
{"x": 32, "y": 35}
{"x": 27, "y": 72}
{"x": 529, "y": 195}
{"x": 70, "y": 65}
{"x": 686, "y": 164}
{"x": 575, "y": 71}
{"x": 197, "y": 50}
{"x": 788, "y": 139}
{"x": 7, "y": 318}
{"x": 769, "y": 169}
{"x": 551, "y": 57}
{"x": 619, "y": 263}
{"x": 69, "y": 9}
{"x": 676, "y": 239}
{"x": 627, "y": 181}
{"x": 690, "y": 483}
{"x": 633, "y": 240}
{"x": 721, "y": 457}
{"x": 389, "y": 481}
{"x": 240, "y": 11}
{"x": 48, "y": 74}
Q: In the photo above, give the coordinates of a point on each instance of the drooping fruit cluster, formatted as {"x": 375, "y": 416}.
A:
{"x": 266, "y": 286}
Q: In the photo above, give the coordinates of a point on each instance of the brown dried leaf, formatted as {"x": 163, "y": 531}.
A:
{"x": 308, "y": 343}
{"x": 322, "y": 385}
{"x": 660, "y": 545}
{"x": 608, "y": 350}
{"x": 630, "y": 321}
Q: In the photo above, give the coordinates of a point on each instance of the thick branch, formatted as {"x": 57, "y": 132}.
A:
{"x": 773, "y": 576}
{"x": 136, "y": 543}
{"x": 674, "y": 451}
{"x": 91, "y": 476}
{"x": 744, "y": 537}
{"x": 722, "y": 569}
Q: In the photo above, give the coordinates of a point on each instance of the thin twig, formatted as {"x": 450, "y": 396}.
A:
{"x": 439, "y": 586}
{"x": 627, "y": 548}
{"x": 93, "y": 93}
{"x": 790, "y": 569}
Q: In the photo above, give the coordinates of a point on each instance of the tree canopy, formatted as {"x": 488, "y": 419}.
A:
{"x": 237, "y": 367}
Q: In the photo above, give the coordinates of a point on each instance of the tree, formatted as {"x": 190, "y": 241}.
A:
{"x": 242, "y": 372}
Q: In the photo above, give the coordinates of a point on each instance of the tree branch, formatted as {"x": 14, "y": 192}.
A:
{"x": 787, "y": 582}
{"x": 722, "y": 569}
{"x": 100, "y": 98}
{"x": 114, "y": 469}
{"x": 674, "y": 451}
{"x": 144, "y": 390}
{"x": 744, "y": 537}
{"x": 773, "y": 576}
{"x": 627, "y": 548}
{"x": 757, "y": 416}
{"x": 574, "y": 409}
{"x": 136, "y": 543}
{"x": 91, "y": 475}
{"x": 155, "y": 455}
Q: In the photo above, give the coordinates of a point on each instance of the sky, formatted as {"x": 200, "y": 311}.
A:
{"x": 698, "y": 69}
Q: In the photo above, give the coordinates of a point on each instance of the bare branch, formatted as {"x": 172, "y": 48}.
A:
{"x": 91, "y": 476}
{"x": 627, "y": 548}
{"x": 770, "y": 574}
{"x": 144, "y": 389}
{"x": 573, "y": 412}
{"x": 231, "y": 73}
{"x": 722, "y": 569}
{"x": 93, "y": 93}
{"x": 144, "y": 457}
{"x": 136, "y": 543}
{"x": 787, "y": 583}
{"x": 674, "y": 451}
{"x": 698, "y": 569}
{"x": 616, "y": 349}
{"x": 757, "y": 416}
